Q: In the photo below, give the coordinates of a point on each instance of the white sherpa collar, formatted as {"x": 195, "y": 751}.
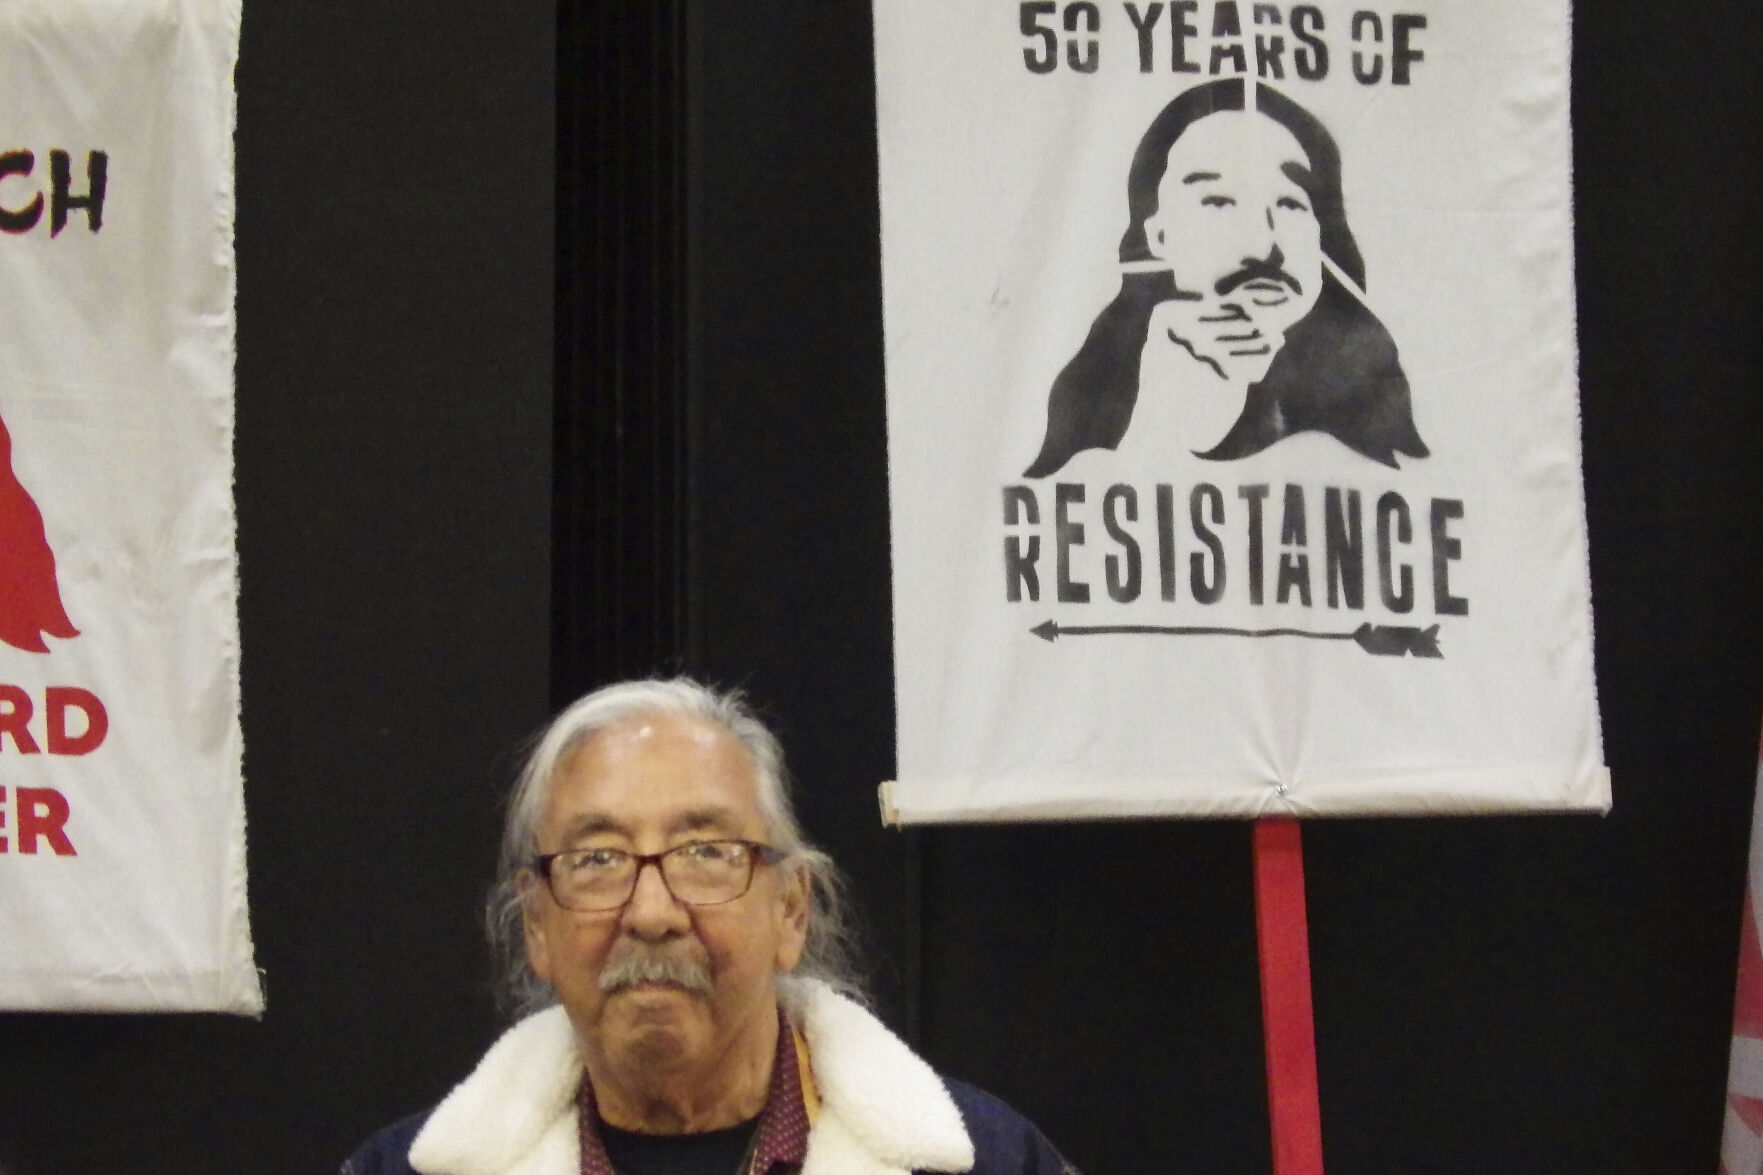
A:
{"x": 883, "y": 1110}
{"x": 892, "y": 1105}
{"x": 521, "y": 1095}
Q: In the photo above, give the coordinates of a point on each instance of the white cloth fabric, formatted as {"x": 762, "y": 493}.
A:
{"x": 1296, "y": 547}
{"x": 883, "y": 1111}
{"x": 122, "y": 857}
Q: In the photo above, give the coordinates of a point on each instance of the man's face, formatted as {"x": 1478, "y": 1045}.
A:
{"x": 1244, "y": 243}
{"x": 645, "y": 786}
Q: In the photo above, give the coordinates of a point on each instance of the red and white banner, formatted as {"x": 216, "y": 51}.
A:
{"x": 1741, "y": 1146}
{"x": 122, "y": 852}
{"x": 1233, "y": 430}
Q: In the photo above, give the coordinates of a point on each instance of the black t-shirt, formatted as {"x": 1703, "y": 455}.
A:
{"x": 715, "y": 1152}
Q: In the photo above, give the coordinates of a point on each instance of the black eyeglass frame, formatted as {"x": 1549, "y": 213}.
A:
{"x": 757, "y": 853}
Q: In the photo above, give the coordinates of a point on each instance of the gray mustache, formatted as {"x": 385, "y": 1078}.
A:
{"x": 640, "y": 965}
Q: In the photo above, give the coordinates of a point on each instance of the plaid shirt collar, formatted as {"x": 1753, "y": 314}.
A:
{"x": 782, "y": 1138}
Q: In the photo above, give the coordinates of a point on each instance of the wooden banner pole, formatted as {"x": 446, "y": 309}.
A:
{"x": 1288, "y": 1020}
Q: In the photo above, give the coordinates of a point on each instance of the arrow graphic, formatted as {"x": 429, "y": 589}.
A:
{"x": 1381, "y": 640}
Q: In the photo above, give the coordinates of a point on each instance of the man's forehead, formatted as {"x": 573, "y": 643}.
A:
{"x": 714, "y": 819}
{"x": 1232, "y": 144}
{"x": 666, "y": 774}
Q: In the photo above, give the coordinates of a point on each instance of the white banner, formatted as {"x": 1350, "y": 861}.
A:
{"x": 1232, "y": 412}
{"x": 122, "y": 856}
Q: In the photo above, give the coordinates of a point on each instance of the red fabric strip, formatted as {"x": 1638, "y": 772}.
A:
{"x": 1286, "y": 1014}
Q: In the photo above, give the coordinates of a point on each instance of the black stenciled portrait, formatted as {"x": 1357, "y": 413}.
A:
{"x": 1238, "y": 252}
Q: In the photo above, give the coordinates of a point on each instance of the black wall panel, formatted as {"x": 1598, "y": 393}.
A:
{"x": 1526, "y": 995}
{"x": 621, "y": 473}
{"x": 395, "y": 202}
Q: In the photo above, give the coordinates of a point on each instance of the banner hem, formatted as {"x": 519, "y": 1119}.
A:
{"x": 1509, "y": 792}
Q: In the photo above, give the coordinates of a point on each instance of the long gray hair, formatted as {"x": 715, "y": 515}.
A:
{"x": 830, "y": 953}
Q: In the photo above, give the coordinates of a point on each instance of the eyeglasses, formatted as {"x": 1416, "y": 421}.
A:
{"x": 697, "y": 873}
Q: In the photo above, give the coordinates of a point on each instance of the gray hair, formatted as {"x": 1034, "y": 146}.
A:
{"x": 830, "y": 952}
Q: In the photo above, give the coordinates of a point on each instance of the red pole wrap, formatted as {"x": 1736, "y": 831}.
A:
{"x": 1287, "y": 1018}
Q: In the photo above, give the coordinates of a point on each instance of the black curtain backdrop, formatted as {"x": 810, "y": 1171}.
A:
{"x": 435, "y": 547}
{"x": 395, "y": 203}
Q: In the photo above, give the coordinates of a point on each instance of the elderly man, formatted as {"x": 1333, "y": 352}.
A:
{"x": 1240, "y": 319}
{"x": 656, "y": 888}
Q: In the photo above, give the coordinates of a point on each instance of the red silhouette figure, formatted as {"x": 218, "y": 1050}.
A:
{"x": 30, "y": 600}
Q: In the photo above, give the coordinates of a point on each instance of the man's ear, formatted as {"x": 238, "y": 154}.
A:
{"x": 796, "y": 907}
{"x": 538, "y": 944}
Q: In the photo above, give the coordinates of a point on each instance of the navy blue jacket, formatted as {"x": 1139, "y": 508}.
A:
{"x": 1004, "y": 1142}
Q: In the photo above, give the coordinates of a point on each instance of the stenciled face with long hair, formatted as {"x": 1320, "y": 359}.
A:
{"x": 1236, "y": 225}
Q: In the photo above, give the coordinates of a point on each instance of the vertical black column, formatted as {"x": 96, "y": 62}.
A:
{"x": 619, "y": 523}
